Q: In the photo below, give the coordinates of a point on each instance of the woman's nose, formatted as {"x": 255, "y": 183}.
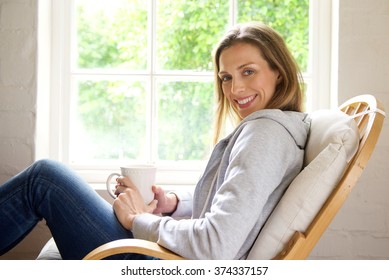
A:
{"x": 238, "y": 86}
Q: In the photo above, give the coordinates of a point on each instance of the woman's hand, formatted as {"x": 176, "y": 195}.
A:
{"x": 129, "y": 203}
{"x": 167, "y": 203}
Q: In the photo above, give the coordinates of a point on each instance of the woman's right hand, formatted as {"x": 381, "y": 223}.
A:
{"x": 167, "y": 203}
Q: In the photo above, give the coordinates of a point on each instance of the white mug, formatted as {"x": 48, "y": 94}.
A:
{"x": 143, "y": 177}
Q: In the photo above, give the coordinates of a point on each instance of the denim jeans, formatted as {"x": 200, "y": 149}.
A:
{"x": 78, "y": 218}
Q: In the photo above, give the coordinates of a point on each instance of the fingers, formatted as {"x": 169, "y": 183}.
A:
{"x": 158, "y": 192}
{"x": 120, "y": 189}
{"x": 126, "y": 182}
{"x": 134, "y": 202}
{"x": 128, "y": 194}
{"x": 122, "y": 184}
{"x": 152, "y": 206}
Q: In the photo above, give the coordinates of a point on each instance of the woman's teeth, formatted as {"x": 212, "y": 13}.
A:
{"x": 245, "y": 100}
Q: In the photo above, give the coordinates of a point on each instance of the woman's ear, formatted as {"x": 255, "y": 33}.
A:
{"x": 279, "y": 79}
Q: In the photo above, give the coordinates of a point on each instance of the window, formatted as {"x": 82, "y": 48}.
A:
{"x": 132, "y": 80}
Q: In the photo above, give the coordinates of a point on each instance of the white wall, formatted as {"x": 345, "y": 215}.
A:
{"x": 360, "y": 231}
{"x": 18, "y": 45}
{"x": 18, "y": 91}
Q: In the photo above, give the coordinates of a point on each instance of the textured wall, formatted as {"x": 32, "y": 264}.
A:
{"x": 18, "y": 45}
{"x": 361, "y": 229}
{"x": 18, "y": 61}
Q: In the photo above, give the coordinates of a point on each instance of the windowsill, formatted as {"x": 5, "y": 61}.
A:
{"x": 102, "y": 191}
{"x": 102, "y": 187}
{"x": 178, "y": 175}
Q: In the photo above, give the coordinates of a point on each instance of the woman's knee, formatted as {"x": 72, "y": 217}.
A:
{"x": 46, "y": 163}
{"x": 47, "y": 169}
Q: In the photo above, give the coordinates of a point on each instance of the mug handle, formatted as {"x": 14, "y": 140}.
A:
{"x": 108, "y": 183}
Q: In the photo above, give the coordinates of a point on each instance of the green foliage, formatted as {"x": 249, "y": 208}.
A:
{"x": 187, "y": 31}
{"x": 184, "y": 120}
{"x": 112, "y": 36}
{"x": 112, "y": 112}
{"x": 115, "y": 37}
{"x": 289, "y": 17}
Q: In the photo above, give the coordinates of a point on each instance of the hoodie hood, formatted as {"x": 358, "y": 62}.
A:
{"x": 296, "y": 123}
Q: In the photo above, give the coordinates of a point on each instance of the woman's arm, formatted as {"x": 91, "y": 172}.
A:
{"x": 257, "y": 165}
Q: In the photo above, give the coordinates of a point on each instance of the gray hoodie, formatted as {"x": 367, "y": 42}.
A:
{"x": 245, "y": 177}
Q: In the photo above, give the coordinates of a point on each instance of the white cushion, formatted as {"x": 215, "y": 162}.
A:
{"x": 330, "y": 126}
{"x": 49, "y": 251}
{"x": 332, "y": 142}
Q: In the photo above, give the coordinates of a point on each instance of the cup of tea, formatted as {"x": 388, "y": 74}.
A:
{"x": 143, "y": 177}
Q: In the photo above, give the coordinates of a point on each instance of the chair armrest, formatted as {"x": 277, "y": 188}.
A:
{"x": 293, "y": 248}
{"x": 137, "y": 246}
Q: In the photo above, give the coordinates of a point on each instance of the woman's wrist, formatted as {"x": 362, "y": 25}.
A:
{"x": 172, "y": 202}
{"x": 130, "y": 222}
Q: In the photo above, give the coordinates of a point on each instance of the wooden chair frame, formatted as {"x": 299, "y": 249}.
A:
{"x": 369, "y": 114}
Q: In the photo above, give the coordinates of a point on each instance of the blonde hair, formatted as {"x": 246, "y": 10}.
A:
{"x": 288, "y": 94}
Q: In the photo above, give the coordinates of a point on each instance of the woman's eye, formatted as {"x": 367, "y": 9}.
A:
{"x": 225, "y": 78}
{"x": 248, "y": 72}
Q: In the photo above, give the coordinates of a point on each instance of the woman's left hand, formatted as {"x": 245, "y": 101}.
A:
{"x": 129, "y": 203}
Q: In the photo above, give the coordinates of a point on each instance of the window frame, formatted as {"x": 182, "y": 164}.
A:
{"x": 54, "y": 66}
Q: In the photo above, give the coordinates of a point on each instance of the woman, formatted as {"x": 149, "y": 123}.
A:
{"x": 257, "y": 84}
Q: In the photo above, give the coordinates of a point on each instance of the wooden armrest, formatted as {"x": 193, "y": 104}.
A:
{"x": 138, "y": 246}
{"x": 292, "y": 250}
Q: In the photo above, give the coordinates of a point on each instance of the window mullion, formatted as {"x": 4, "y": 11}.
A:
{"x": 61, "y": 83}
{"x": 320, "y": 50}
{"x": 153, "y": 113}
{"x": 233, "y": 11}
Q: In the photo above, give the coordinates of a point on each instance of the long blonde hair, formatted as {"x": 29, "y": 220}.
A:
{"x": 288, "y": 94}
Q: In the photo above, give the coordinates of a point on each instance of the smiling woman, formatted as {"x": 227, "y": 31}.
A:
{"x": 247, "y": 80}
{"x": 254, "y": 69}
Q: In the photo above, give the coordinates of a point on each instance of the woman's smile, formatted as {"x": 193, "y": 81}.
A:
{"x": 245, "y": 102}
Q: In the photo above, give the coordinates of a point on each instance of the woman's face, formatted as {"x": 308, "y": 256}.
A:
{"x": 246, "y": 78}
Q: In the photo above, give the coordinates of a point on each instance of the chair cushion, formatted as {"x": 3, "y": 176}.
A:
{"x": 333, "y": 141}
{"x": 49, "y": 251}
{"x": 331, "y": 127}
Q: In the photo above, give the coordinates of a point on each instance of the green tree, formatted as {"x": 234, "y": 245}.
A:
{"x": 289, "y": 17}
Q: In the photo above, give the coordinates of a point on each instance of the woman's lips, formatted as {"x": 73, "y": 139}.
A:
{"x": 245, "y": 102}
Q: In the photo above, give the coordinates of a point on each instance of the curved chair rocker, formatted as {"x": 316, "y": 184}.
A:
{"x": 338, "y": 148}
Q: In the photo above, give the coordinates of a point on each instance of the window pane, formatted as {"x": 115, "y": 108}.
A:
{"x": 289, "y": 18}
{"x": 187, "y": 31}
{"x": 184, "y": 120}
{"x": 110, "y": 122}
{"x": 111, "y": 34}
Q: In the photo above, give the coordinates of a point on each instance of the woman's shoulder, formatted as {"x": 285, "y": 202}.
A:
{"x": 277, "y": 123}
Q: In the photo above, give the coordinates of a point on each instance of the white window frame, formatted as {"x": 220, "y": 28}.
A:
{"x": 54, "y": 50}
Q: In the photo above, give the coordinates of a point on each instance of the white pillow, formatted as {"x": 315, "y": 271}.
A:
{"x": 332, "y": 142}
{"x": 329, "y": 126}
{"x": 49, "y": 251}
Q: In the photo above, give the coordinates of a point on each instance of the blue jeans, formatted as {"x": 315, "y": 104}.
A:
{"x": 78, "y": 218}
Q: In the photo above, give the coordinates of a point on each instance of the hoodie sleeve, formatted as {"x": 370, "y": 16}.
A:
{"x": 184, "y": 206}
{"x": 259, "y": 159}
